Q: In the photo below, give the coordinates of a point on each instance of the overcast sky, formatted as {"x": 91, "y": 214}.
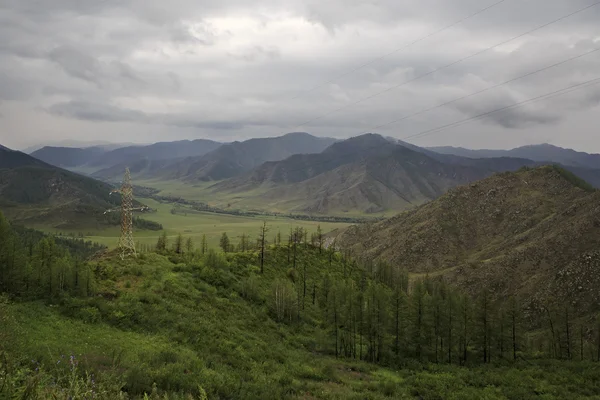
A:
{"x": 149, "y": 70}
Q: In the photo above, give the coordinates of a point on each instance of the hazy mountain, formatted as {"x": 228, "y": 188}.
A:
{"x": 236, "y": 158}
{"x": 112, "y": 162}
{"x": 156, "y": 151}
{"x": 35, "y": 192}
{"x": 364, "y": 174}
{"x": 82, "y": 144}
{"x": 68, "y": 157}
{"x": 541, "y": 152}
{"x": 141, "y": 168}
{"x": 532, "y": 234}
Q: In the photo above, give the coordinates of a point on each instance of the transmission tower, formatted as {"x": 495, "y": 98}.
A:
{"x": 126, "y": 243}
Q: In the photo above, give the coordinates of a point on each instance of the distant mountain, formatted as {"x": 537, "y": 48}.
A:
{"x": 68, "y": 157}
{"x": 140, "y": 168}
{"x": 236, "y": 158}
{"x": 364, "y": 174}
{"x": 542, "y": 153}
{"x": 82, "y": 144}
{"x": 14, "y": 159}
{"x": 35, "y": 192}
{"x": 91, "y": 160}
{"x": 532, "y": 235}
{"x": 156, "y": 151}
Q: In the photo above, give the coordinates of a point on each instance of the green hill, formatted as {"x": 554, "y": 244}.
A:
{"x": 532, "y": 234}
{"x": 35, "y": 193}
{"x": 207, "y": 325}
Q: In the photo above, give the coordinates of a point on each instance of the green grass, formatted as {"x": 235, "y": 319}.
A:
{"x": 188, "y": 325}
{"x": 195, "y": 224}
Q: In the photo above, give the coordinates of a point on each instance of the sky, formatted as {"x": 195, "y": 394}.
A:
{"x": 141, "y": 71}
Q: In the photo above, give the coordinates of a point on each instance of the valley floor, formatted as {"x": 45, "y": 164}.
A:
{"x": 194, "y": 224}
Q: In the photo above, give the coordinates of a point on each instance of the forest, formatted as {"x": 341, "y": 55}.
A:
{"x": 251, "y": 319}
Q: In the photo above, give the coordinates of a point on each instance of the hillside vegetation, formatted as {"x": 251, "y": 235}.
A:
{"x": 38, "y": 194}
{"x": 532, "y": 234}
{"x": 287, "y": 320}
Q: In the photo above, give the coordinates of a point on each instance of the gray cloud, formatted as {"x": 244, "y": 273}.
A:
{"x": 231, "y": 69}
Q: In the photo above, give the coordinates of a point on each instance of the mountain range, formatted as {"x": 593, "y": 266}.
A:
{"x": 99, "y": 157}
{"x": 531, "y": 234}
{"x": 541, "y": 153}
{"x": 366, "y": 174}
{"x": 298, "y": 172}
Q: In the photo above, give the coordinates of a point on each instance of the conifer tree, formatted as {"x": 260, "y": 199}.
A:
{"x": 203, "y": 245}
{"x": 224, "y": 242}
{"x": 263, "y": 242}
{"x": 189, "y": 245}
{"x": 320, "y": 238}
{"x": 178, "y": 244}
{"x": 161, "y": 244}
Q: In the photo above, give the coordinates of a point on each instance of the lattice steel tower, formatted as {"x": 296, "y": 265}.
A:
{"x": 126, "y": 243}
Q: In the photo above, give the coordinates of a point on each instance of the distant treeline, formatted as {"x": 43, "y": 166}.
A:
{"x": 199, "y": 206}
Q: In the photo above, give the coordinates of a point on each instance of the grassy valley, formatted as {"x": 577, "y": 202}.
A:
{"x": 180, "y": 219}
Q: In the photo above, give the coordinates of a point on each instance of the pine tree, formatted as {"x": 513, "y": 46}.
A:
{"x": 203, "y": 245}
{"x": 263, "y": 242}
{"x": 418, "y": 310}
{"x": 189, "y": 245}
{"x": 320, "y": 238}
{"x": 513, "y": 316}
{"x": 161, "y": 244}
{"x": 178, "y": 245}
{"x": 224, "y": 242}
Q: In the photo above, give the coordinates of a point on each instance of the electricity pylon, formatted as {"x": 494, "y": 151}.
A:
{"x": 126, "y": 243}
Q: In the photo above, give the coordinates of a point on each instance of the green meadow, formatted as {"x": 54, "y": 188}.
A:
{"x": 195, "y": 224}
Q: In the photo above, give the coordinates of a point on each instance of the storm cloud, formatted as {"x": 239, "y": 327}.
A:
{"x": 143, "y": 71}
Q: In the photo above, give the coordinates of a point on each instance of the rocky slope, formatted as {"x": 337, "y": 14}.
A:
{"x": 533, "y": 234}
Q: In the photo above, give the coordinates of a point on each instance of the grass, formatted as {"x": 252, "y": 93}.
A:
{"x": 179, "y": 327}
{"x": 194, "y": 224}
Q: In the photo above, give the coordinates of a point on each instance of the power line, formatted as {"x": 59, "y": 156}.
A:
{"x": 556, "y": 93}
{"x": 447, "y": 65}
{"x": 405, "y": 46}
{"x": 487, "y": 89}
{"x": 559, "y": 92}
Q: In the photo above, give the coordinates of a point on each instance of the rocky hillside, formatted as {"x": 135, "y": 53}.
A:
{"x": 534, "y": 234}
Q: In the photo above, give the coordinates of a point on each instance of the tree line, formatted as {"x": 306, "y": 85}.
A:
{"x": 375, "y": 312}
